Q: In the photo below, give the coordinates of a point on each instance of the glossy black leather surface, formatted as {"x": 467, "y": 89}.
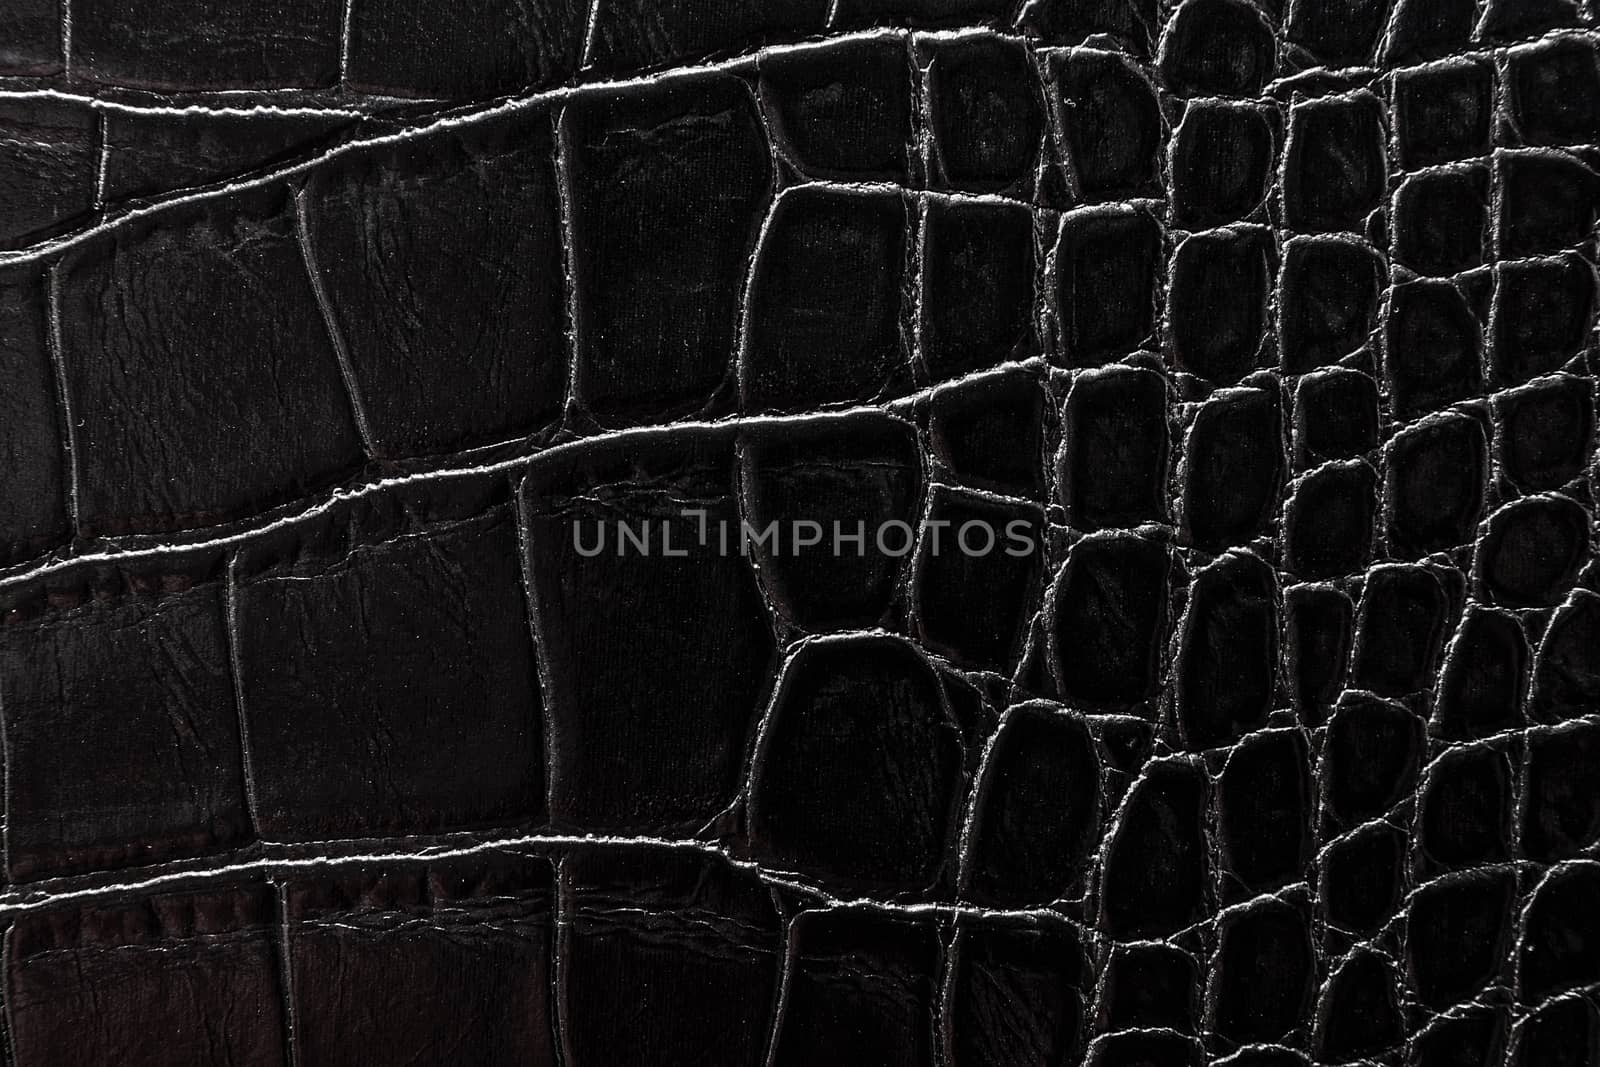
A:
{"x": 1271, "y": 325}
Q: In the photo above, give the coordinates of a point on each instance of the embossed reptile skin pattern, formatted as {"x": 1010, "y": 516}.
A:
{"x": 321, "y": 323}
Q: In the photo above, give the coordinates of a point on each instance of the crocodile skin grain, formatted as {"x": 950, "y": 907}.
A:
{"x": 1267, "y": 327}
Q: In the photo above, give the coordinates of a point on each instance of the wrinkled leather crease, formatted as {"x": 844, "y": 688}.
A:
{"x": 323, "y": 324}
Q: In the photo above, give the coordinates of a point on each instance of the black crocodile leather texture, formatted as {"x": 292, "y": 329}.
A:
{"x": 336, "y": 337}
